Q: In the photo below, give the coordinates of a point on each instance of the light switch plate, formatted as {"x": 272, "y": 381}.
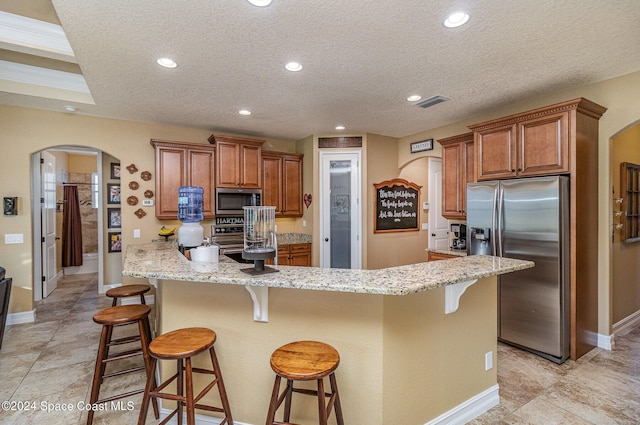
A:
{"x": 136, "y": 233}
{"x": 11, "y": 238}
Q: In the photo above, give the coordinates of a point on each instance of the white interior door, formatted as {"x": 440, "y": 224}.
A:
{"x": 438, "y": 225}
{"x": 48, "y": 213}
{"x": 340, "y": 210}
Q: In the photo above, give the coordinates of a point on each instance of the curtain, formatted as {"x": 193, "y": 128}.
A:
{"x": 71, "y": 228}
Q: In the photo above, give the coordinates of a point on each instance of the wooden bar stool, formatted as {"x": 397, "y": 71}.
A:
{"x": 116, "y": 316}
{"x": 304, "y": 361}
{"x": 181, "y": 345}
{"x": 127, "y": 291}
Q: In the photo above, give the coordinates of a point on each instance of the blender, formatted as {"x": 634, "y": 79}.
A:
{"x": 190, "y": 213}
{"x": 260, "y": 241}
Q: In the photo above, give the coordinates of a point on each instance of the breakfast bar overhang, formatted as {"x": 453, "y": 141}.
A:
{"x": 411, "y": 350}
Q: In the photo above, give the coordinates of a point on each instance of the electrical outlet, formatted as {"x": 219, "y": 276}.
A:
{"x": 136, "y": 233}
{"x": 488, "y": 360}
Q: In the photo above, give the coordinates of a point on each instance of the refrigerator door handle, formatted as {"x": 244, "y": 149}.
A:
{"x": 493, "y": 222}
{"x": 499, "y": 225}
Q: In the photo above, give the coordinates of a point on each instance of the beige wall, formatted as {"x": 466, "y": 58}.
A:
{"x": 625, "y": 257}
{"x": 622, "y": 98}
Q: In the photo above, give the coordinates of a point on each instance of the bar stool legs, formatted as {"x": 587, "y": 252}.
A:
{"x": 304, "y": 361}
{"x": 108, "y": 318}
{"x": 181, "y": 345}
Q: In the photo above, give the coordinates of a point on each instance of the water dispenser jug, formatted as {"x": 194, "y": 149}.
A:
{"x": 190, "y": 213}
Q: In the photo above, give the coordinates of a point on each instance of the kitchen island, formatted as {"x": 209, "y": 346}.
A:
{"x": 412, "y": 339}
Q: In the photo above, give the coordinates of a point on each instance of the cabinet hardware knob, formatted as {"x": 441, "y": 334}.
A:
{"x": 513, "y": 170}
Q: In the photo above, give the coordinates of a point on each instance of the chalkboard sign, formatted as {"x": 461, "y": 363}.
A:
{"x": 397, "y": 204}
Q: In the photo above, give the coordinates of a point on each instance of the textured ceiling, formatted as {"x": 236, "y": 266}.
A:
{"x": 361, "y": 59}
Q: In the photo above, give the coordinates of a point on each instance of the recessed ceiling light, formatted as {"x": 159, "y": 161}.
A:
{"x": 293, "y": 66}
{"x": 456, "y": 19}
{"x": 414, "y": 98}
{"x": 167, "y": 63}
{"x": 244, "y": 112}
{"x": 69, "y": 108}
{"x": 260, "y": 3}
{"x": 340, "y": 127}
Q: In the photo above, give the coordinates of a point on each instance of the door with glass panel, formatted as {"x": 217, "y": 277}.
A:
{"x": 340, "y": 210}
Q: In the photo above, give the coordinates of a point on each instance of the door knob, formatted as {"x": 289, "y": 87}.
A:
{"x": 326, "y": 239}
{"x": 433, "y": 234}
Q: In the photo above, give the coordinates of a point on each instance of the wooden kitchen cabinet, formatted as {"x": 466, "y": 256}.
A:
{"x": 183, "y": 164}
{"x": 298, "y": 254}
{"x": 282, "y": 182}
{"x": 239, "y": 162}
{"x": 534, "y": 143}
{"x": 436, "y": 256}
{"x": 557, "y": 139}
{"x": 457, "y": 170}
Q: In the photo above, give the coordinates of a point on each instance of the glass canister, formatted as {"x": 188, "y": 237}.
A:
{"x": 260, "y": 241}
{"x": 190, "y": 204}
{"x": 259, "y": 229}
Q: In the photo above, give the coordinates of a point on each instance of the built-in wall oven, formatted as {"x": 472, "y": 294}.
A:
{"x": 229, "y": 201}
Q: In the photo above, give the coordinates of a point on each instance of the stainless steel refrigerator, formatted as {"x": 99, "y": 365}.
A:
{"x": 527, "y": 219}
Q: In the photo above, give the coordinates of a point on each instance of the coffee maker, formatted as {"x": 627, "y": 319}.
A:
{"x": 459, "y": 240}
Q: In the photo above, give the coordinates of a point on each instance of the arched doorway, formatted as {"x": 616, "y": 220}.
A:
{"x": 87, "y": 170}
{"x": 624, "y": 254}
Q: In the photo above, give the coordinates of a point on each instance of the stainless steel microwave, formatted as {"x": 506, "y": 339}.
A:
{"x": 230, "y": 201}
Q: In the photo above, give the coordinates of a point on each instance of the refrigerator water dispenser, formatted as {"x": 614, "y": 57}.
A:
{"x": 480, "y": 239}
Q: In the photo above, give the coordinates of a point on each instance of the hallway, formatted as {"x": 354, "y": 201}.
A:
{"x": 52, "y": 361}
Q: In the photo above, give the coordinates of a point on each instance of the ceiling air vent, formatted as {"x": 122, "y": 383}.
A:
{"x": 432, "y": 101}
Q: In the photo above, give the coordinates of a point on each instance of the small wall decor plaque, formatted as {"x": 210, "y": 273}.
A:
{"x": 145, "y": 175}
{"x": 140, "y": 213}
{"x": 132, "y": 168}
{"x": 134, "y": 185}
{"x": 148, "y": 193}
{"x": 132, "y": 200}
{"x": 424, "y": 145}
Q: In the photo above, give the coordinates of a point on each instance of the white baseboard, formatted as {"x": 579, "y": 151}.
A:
{"x": 606, "y": 342}
{"x": 200, "y": 419}
{"x": 470, "y": 409}
{"x": 22, "y": 317}
{"x": 626, "y": 324}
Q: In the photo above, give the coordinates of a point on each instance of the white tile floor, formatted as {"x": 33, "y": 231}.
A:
{"x": 51, "y": 361}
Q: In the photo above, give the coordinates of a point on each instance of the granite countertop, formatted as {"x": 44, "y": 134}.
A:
{"x": 293, "y": 238}
{"x": 164, "y": 261}
{"x": 449, "y": 251}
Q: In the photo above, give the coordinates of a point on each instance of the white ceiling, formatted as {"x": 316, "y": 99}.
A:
{"x": 361, "y": 59}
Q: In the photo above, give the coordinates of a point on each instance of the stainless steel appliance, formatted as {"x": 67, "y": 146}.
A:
{"x": 459, "y": 240}
{"x": 229, "y": 201}
{"x": 228, "y": 234}
{"x": 527, "y": 219}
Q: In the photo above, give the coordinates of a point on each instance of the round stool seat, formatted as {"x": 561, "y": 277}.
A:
{"x": 127, "y": 291}
{"x": 121, "y": 314}
{"x": 182, "y": 343}
{"x": 305, "y": 360}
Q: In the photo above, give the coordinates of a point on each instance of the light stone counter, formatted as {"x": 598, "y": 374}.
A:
{"x": 456, "y": 252}
{"x": 293, "y": 238}
{"x": 163, "y": 261}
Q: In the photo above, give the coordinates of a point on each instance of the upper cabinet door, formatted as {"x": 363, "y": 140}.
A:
{"x": 228, "y": 170}
{"x": 457, "y": 171}
{"x": 201, "y": 166}
{"x": 170, "y": 175}
{"x": 543, "y": 146}
{"x": 495, "y": 152}
{"x": 292, "y": 188}
{"x": 239, "y": 162}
